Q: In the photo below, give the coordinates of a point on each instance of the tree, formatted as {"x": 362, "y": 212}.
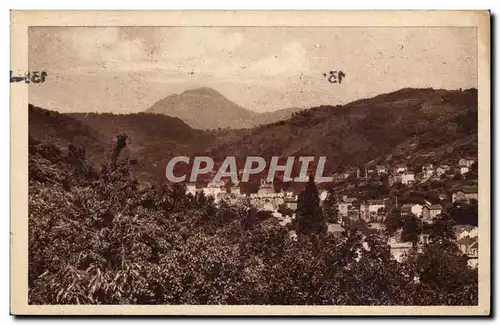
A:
{"x": 121, "y": 143}
{"x": 473, "y": 172}
{"x": 441, "y": 229}
{"x": 105, "y": 241}
{"x": 356, "y": 226}
{"x": 412, "y": 228}
{"x": 284, "y": 210}
{"x": 310, "y": 218}
{"x": 444, "y": 276}
{"x": 458, "y": 176}
{"x": 393, "y": 220}
{"x": 464, "y": 213}
{"x": 330, "y": 210}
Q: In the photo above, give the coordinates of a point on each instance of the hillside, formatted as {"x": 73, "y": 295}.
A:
{"x": 205, "y": 108}
{"x": 96, "y": 237}
{"x": 408, "y": 125}
{"x": 153, "y": 139}
{"x": 63, "y": 130}
{"x": 398, "y": 124}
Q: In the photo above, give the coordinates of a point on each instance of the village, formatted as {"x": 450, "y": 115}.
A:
{"x": 439, "y": 186}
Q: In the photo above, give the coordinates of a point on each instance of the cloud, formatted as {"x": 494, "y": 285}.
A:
{"x": 259, "y": 68}
{"x": 106, "y": 47}
{"x": 224, "y": 53}
{"x": 199, "y": 42}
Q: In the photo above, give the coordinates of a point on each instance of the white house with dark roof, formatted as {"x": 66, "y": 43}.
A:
{"x": 464, "y": 194}
{"x": 442, "y": 169}
{"x": 463, "y": 169}
{"x": 399, "y": 168}
{"x": 466, "y": 161}
{"x": 415, "y": 209}
{"x": 370, "y": 209}
{"x": 431, "y": 211}
{"x": 344, "y": 204}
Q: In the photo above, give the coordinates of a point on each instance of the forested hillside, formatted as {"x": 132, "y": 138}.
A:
{"x": 403, "y": 123}
{"x": 96, "y": 237}
{"x": 405, "y": 126}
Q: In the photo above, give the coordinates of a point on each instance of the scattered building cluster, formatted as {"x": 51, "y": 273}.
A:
{"x": 372, "y": 211}
{"x": 265, "y": 199}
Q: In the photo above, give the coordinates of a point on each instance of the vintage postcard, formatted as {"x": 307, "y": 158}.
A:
{"x": 250, "y": 163}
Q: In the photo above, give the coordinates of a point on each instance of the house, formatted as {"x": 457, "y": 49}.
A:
{"x": 214, "y": 189}
{"x": 462, "y": 169}
{"x": 235, "y": 190}
{"x": 344, "y": 204}
{"x": 393, "y": 179}
{"x": 381, "y": 169}
{"x": 427, "y": 166}
{"x": 423, "y": 239}
{"x": 400, "y": 251}
{"x": 467, "y": 161}
{"x": 464, "y": 194}
{"x": 442, "y": 169}
{"x": 370, "y": 169}
{"x": 268, "y": 206}
{"x": 372, "y": 209}
{"x": 191, "y": 189}
{"x": 289, "y": 194}
{"x": 473, "y": 256}
{"x": 377, "y": 227}
{"x": 431, "y": 211}
{"x": 290, "y": 203}
{"x": 399, "y": 168}
{"x": 415, "y": 209}
{"x": 335, "y": 229}
{"x": 396, "y": 237}
{"x": 469, "y": 246}
{"x": 407, "y": 178}
{"x": 266, "y": 188}
{"x": 428, "y": 170}
{"x": 343, "y": 208}
{"x": 462, "y": 231}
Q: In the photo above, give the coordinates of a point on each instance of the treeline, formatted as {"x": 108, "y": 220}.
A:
{"x": 96, "y": 236}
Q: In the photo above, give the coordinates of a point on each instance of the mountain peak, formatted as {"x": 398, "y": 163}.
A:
{"x": 204, "y": 91}
{"x": 206, "y": 108}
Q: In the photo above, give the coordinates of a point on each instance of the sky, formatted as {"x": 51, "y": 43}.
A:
{"x": 128, "y": 69}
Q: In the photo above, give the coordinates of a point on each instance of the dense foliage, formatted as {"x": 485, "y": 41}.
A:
{"x": 97, "y": 236}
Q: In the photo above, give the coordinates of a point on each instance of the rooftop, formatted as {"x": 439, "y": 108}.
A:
{"x": 435, "y": 207}
{"x": 468, "y": 189}
{"x": 466, "y": 241}
{"x": 375, "y": 202}
{"x": 335, "y": 227}
{"x": 401, "y": 245}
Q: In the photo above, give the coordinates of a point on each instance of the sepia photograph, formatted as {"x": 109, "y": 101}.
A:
{"x": 226, "y": 161}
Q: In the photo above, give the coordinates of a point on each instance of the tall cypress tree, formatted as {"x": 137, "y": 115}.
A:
{"x": 310, "y": 218}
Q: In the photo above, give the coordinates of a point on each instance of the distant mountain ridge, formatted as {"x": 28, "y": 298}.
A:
{"x": 205, "y": 108}
{"x": 407, "y": 125}
{"x": 399, "y": 124}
